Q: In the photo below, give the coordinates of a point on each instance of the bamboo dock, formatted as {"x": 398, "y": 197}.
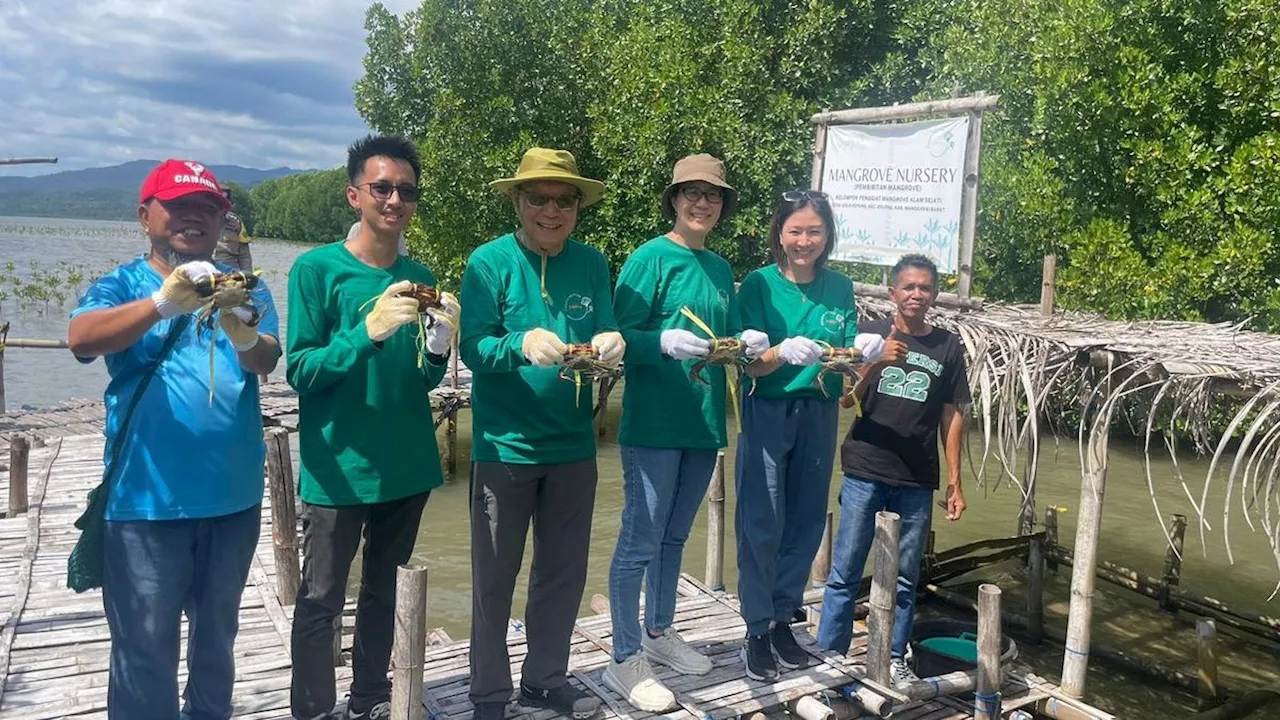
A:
{"x": 54, "y": 644}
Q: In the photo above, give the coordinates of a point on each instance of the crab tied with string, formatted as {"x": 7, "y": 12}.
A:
{"x": 724, "y": 351}
{"x": 846, "y": 362}
{"x": 581, "y": 359}
{"x": 223, "y": 292}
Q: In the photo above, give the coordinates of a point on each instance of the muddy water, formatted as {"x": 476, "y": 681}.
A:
{"x": 1131, "y": 533}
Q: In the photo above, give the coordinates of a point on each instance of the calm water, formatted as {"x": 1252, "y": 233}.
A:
{"x": 1131, "y": 533}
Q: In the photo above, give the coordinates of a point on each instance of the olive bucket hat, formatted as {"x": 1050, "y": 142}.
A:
{"x": 706, "y": 168}
{"x": 557, "y": 165}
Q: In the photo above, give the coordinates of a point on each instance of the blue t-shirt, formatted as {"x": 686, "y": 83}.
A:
{"x": 185, "y": 457}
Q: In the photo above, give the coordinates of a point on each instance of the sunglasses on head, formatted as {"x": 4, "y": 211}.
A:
{"x": 563, "y": 202}
{"x": 812, "y": 195}
{"x": 381, "y": 191}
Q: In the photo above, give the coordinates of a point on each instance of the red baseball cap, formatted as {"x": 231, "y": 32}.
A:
{"x": 175, "y": 178}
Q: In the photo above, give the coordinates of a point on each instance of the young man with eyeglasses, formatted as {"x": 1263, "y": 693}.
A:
{"x": 367, "y": 444}
{"x": 529, "y": 294}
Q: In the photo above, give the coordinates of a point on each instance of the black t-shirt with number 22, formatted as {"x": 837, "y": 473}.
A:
{"x": 896, "y": 440}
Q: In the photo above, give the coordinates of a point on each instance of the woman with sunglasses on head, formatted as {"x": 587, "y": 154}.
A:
{"x": 670, "y": 293}
{"x": 788, "y": 441}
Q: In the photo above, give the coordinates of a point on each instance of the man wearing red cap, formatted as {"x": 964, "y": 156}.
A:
{"x": 184, "y": 455}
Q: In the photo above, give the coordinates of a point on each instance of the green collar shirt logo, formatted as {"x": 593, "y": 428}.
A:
{"x": 577, "y": 307}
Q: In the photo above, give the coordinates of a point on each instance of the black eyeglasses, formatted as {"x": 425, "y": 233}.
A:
{"x": 563, "y": 202}
{"x": 693, "y": 194}
{"x": 381, "y": 191}
{"x": 812, "y": 195}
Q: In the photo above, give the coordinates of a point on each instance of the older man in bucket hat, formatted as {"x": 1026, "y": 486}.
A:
{"x": 528, "y": 295}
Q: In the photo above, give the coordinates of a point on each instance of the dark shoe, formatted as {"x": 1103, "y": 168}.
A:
{"x": 790, "y": 655}
{"x": 566, "y": 700}
{"x": 379, "y": 711}
{"x": 489, "y": 711}
{"x": 757, "y": 656}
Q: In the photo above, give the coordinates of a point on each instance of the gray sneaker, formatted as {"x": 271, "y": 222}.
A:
{"x": 900, "y": 673}
{"x": 671, "y": 650}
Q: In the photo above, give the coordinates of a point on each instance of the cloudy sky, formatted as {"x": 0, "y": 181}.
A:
{"x": 250, "y": 82}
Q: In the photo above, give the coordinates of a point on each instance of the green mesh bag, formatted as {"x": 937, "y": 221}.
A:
{"x": 85, "y": 566}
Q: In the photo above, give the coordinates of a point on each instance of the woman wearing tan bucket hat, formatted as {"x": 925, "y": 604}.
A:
{"x": 527, "y": 294}
{"x": 672, "y": 427}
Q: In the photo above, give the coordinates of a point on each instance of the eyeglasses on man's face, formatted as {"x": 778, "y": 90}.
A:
{"x": 381, "y": 191}
{"x": 566, "y": 202}
{"x": 693, "y": 194}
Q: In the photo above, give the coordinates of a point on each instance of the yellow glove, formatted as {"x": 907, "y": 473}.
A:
{"x": 177, "y": 295}
{"x": 543, "y": 348}
{"x": 609, "y": 347}
{"x": 390, "y": 313}
{"x": 235, "y": 323}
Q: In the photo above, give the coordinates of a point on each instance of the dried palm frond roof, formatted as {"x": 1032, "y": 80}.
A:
{"x": 1169, "y": 380}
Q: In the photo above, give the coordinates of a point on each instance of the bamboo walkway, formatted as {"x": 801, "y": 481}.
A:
{"x": 54, "y": 644}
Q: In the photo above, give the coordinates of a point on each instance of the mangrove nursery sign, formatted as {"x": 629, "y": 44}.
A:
{"x": 895, "y": 189}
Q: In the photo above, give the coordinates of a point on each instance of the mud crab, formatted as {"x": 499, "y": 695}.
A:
{"x": 724, "y": 351}
{"x": 838, "y": 360}
{"x": 428, "y": 296}
{"x": 581, "y": 359}
{"x": 227, "y": 290}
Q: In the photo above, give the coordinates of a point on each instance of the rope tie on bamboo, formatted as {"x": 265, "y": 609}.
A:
{"x": 732, "y": 383}
{"x": 987, "y": 702}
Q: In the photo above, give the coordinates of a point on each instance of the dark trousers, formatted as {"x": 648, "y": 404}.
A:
{"x": 330, "y": 537}
{"x": 559, "y": 499}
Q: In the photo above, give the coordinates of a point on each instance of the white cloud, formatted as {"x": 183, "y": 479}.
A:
{"x": 262, "y": 84}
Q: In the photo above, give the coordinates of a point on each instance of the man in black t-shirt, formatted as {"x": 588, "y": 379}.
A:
{"x": 890, "y": 456}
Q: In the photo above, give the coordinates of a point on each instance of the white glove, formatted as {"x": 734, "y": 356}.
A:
{"x": 391, "y": 312}
{"x": 799, "y": 351}
{"x": 543, "y": 348}
{"x": 870, "y": 345}
{"x": 683, "y": 345}
{"x": 609, "y": 347}
{"x": 235, "y": 323}
{"x": 757, "y": 343}
{"x": 444, "y": 324}
{"x": 177, "y": 295}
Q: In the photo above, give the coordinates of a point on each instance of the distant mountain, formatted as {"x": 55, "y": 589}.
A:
{"x": 105, "y": 193}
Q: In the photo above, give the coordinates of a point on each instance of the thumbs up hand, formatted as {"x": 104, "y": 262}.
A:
{"x": 895, "y": 348}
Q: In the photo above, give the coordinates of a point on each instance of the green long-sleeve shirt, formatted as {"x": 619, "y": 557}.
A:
{"x": 661, "y": 406}
{"x": 520, "y": 413}
{"x": 365, "y": 430}
{"x": 821, "y": 310}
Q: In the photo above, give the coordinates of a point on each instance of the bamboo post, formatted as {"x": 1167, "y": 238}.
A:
{"x": 409, "y": 648}
{"x": 1035, "y": 589}
{"x": 821, "y": 567}
{"x": 1051, "y": 537}
{"x": 1047, "y": 284}
{"x": 884, "y": 586}
{"x": 1209, "y": 695}
{"x": 929, "y": 559}
{"x": 986, "y": 698}
{"x": 284, "y": 521}
{"x": 969, "y": 200}
{"x": 19, "y": 459}
{"x": 1172, "y": 574}
{"x": 2, "y": 398}
{"x": 1093, "y": 485}
{"x": 715, "y": 526}
{"x": 819, "y": 155}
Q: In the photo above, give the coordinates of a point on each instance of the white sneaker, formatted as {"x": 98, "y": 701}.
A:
{"x": 634, "y": 680}
{"x": 671, "y": 650}
{"x": 900, "y": 673}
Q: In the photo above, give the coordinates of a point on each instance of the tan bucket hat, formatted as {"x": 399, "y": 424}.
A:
{"x": 558, "y": 165}
{"x": 706, "y": 168}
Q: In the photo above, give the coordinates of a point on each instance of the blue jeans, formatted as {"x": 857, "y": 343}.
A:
{"x": 859, "y": 501}
{"x": 155, "y": 571}
{"x": 785, "y": 454}
{"x": 662, "y": 489}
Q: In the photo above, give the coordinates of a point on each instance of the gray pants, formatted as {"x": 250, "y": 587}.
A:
{"x": 331, "y": 536}
{"x": 504, "y": 498}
